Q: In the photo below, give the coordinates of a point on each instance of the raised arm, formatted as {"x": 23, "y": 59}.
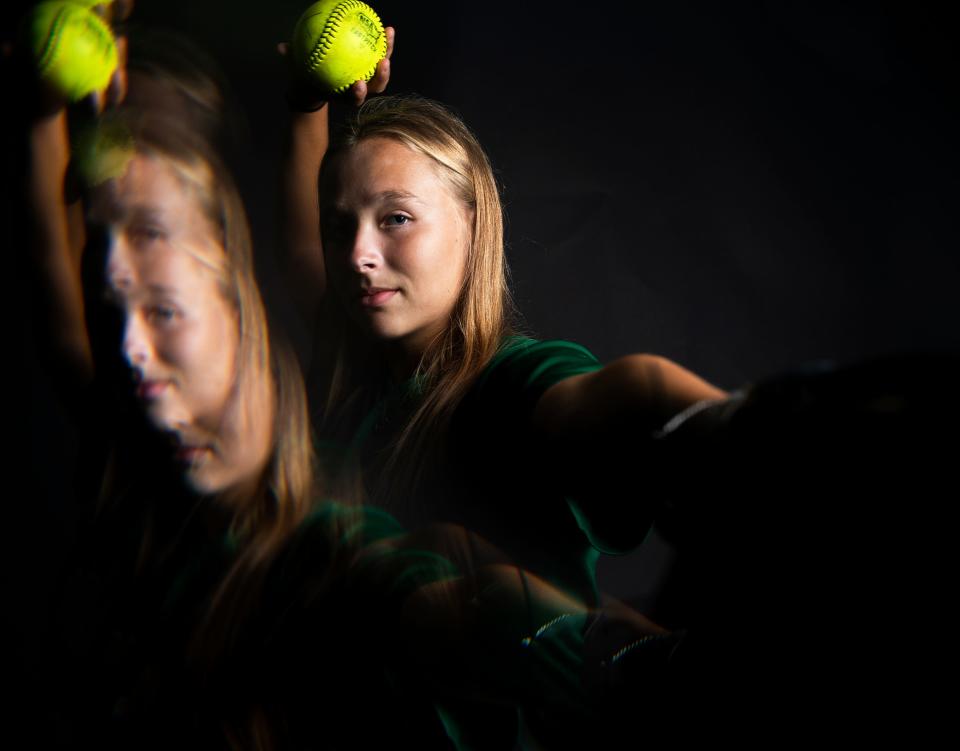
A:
{"x": 53, "y": 215}
{"x": 56, "y": 236}
{"x": 309, "y": 136}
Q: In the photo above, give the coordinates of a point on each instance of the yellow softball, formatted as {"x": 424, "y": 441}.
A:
{"x": 338, "y": 42}
{"x": 90, "y": 4}
{"x": 73, "y": 49}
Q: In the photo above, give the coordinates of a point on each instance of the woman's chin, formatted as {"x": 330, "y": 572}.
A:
{"x": 202, "y": 483}
{"x": 203, "y": 476}
{"x": 232, "y": 488}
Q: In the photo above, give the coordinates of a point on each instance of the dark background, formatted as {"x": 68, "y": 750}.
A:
{"x": 742, "y": 187}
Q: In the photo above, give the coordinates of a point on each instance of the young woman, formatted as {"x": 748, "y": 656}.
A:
{"x": 189, "y": 502}
{"x": 422, "y": 386}
{"x": 426, "y": 401}
{"x": 232, "y": 605}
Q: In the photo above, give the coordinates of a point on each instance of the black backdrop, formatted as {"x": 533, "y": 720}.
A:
{"x": 742, "y": 187}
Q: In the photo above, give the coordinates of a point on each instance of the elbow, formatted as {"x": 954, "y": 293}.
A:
{"x": 666, "y": 385}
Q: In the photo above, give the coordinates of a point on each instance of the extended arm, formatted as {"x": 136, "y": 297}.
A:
{"x": 478, "y": 625}
{"x": 640, "y": 392}
{"x": 597, "y": 431}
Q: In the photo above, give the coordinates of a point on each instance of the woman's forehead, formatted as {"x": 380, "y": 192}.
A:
{"x": 146, "y": 184}
{"x": 161, "y": 269}
{"x": 379, "y": 169}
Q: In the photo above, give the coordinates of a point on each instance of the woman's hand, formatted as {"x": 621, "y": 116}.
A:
{"x": 115, "y": 14}
{"x": 48, "y": 100}
{"x": 304, "y": 96}
{"x": 378, "y": 84}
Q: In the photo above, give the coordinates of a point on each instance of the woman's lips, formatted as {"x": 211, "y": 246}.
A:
{"x": 374, "y": 298}
{"x": 190, "y": 454}
{"x": 151, "y": 390}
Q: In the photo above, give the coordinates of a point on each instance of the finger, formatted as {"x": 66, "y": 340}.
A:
{"x": 97, "y": 101}
{"x": 380, "y": 78}
{"x": 123, "y": 49}
{"x": 391, "y": 35}
{"x": 117, "y": 88}
{"x": 359, "y": 92}
{"x": 287, "y": 63}
{"x": 117, "y": 91}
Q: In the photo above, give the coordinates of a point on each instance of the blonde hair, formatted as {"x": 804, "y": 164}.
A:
{"x": 262, "y": 522}
{"x": 483, "y": 312}
{"x": 266, "y": 368}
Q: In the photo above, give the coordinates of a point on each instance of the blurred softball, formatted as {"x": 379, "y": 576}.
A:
{"x": 89, "y": 3}
{"x": 338, "y": 42}
{"x": 73, "y": 48}
{"x": 102, "y": 150}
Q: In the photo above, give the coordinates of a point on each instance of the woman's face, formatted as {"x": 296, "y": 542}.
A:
{"x": 181, "y": 336}
{"x": 395, "y": 240}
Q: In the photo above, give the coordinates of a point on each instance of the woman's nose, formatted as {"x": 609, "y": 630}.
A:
{"x": 366, "y": 253}
{"x": 136, "y": 342}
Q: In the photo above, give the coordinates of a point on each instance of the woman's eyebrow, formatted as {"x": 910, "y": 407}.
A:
{"x": 395, "y": 195}
{"x": 116, "y": 289}
{"x": 384, "y": 196}
{"x": 146, "y": 213}
{"x": 161, "y": 289}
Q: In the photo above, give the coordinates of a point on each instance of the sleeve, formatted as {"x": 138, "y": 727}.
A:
{"x": 524, "y": 369}
{"x": 496, "y": 424}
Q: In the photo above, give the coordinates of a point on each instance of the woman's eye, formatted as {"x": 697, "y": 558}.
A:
{"x": 396, "y": 220}
{"x": 161, "y": 314}
{"x": 146, "y": 234}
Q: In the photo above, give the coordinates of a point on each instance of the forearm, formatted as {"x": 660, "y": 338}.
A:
{"x": 56, "y": 235}
{"x": 640, "y": 392}
{"x": 300, "y": 211}
{"x": 463, "y": 610}
{"x": 507, "y": 636}
{"x": 475, "y": 636}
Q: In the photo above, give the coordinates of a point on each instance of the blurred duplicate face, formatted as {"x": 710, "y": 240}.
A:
{"x": 396, "y": 240}
{"x": 181, "y": 334}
